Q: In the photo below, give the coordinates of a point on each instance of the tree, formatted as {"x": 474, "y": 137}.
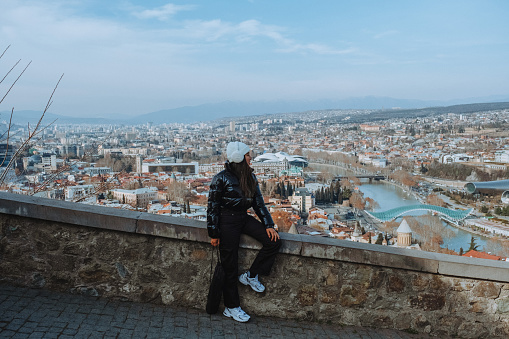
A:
{"x": 346, "y": 194}
{"x": 434, "y": 199}
{"x": 371, "y": 204}
{"x": 379, "y": 239}
{"x": 473, "y": 245}
{"x": 290, "y": 190}
{"x": 485, "y": 209}
{"x": 357, "y": 200}
{"x": 179, "y": 192}
{"x": 283, "y": 191}
{"x": 403, "y": 177}
{"x": 33, "y": 131}
{"x": 278, "y": 190}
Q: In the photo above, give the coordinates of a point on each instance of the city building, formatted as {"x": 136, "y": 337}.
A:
{"x": 302, "y": 199}
{"x": 293, "y": 160}
{"x": 140, "y": 197}
{"x": 73, "y": 193}
{"x": 182, "y": 167}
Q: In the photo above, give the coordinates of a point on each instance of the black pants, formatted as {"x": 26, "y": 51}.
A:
{"x": 232, "y": 226}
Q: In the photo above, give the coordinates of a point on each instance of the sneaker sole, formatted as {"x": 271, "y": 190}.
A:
{"x": 229, "y": 315}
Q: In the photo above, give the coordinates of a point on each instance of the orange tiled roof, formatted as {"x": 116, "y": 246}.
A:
{"x": 481, "y": 255}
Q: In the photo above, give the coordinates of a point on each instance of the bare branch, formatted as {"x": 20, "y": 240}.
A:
{"x": 15, "y": 81}
{"x": 5, "y": 50}
{"x": 51, "y": 97}
{"x": 16, "y": 64}
{"x": 7, "y": 142}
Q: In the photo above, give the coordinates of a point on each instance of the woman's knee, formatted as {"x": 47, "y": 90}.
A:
{"x": 276, "y": 244}
{"x": 279, "y": 243}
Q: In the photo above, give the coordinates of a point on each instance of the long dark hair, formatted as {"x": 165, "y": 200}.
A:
{"x": 245, "y": 175}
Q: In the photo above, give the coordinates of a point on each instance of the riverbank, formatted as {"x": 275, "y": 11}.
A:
{"x": 405, "y": 188}
{"x": 467, "y": 229}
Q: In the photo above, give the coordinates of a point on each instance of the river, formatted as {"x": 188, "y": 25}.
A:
{"x": 389, "y": 196}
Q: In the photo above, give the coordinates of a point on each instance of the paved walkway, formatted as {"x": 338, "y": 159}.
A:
{"x": 31, "y": 313}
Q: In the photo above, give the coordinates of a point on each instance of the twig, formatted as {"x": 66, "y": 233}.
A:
{"x": 31, "y": 134}
{"x": 16, "y": 64}
{"x": 5, "y": 50}
{"x": 15, "y": 81}
{"x": 7, "y": 142}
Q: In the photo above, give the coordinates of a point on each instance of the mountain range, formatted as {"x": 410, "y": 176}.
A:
{"x": 214, "y": 111}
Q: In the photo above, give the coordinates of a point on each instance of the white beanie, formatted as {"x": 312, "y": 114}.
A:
{"x": 236, "y": 150}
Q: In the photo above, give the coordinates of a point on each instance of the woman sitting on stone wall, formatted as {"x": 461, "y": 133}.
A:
{"x": 232, "y": 192}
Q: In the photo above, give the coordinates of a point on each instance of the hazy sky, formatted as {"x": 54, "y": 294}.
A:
{"x": 133, "y": 57}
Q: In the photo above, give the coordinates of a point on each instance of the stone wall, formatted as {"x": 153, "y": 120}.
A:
{"x": 141, "y": 257}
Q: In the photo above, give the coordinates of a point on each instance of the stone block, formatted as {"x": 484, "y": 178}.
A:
{"x": 68, "y": 212}
{"x": 352, "y": 295}
{"x": 503, "y": 305}
{"x": 486, "y": 289}
{"x": 334, "y": 249}
{"x": 292, "y": 243}
{"x": 172, "y": 227}
{"x": 428, "y": 301}
{"x": 474, "y": 268}
{"x": 307, "y": 295}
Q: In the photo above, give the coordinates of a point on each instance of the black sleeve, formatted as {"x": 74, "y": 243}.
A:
{"x": 214, "y": 207}
{"x": 260, "y": 209}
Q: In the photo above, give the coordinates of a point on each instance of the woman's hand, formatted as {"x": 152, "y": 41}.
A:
{"x": 214, "y": 242}
{"x": 273, "y": 235}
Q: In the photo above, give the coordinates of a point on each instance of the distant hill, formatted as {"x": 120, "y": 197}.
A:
{"x": 208, "y": 112}
{"x": 32, "y": 117}
{"x": 385, "y": 108}
{"x": 431, "y": 111}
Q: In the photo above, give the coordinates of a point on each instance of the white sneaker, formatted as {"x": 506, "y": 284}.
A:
{"x": 237, "y": 314}
{"x": 255, "y": 284}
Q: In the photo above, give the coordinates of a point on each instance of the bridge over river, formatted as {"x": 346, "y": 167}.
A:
{"x": 451, "y": 215}
{"x": 362, "y": 176}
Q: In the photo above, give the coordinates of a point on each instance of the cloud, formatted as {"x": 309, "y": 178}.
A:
{"x": 250, "y": 31}
{"x": 162, "y": 13}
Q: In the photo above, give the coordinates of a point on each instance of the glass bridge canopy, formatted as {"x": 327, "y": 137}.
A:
{"x": 453, "y": 215}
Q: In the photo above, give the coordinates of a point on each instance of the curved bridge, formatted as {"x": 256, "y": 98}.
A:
{"x": 452, "y": 215}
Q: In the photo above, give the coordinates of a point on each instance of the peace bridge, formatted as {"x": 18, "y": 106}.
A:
{"x": 451, "y": 215}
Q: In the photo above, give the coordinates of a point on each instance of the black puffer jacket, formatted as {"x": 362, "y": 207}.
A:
{"x": 225, "y": 195}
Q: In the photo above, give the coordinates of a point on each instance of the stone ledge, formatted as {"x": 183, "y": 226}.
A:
{"x": 303, "y": 245}
{"x": 68, "y": 212}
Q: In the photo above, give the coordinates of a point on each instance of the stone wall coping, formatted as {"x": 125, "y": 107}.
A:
{"x": 294, "y": 244}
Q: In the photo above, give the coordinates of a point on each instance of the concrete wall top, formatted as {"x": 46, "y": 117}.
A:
{"x": 303, "y": 245}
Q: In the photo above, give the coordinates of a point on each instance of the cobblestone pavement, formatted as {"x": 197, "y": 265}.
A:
{"x": 34, "y": 313}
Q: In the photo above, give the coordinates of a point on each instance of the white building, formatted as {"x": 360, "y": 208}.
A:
{"x": 77, "y": 192}
{"x": 212, "y": 168}
{"x": 139, "y": 197}
{"x": 488, "y": 225}
{"x": 293, "y": 160}
{"x": 302, "y": 199}
{"x": 181, "y": 167}
{"x": 502, "y": 156}
{"x": 93, "y": 171}
{"x": 453, "y": 158}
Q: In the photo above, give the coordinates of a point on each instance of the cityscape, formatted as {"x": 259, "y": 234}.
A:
{"x": 321, "y": 173}
{"x": 378, "y": 134}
